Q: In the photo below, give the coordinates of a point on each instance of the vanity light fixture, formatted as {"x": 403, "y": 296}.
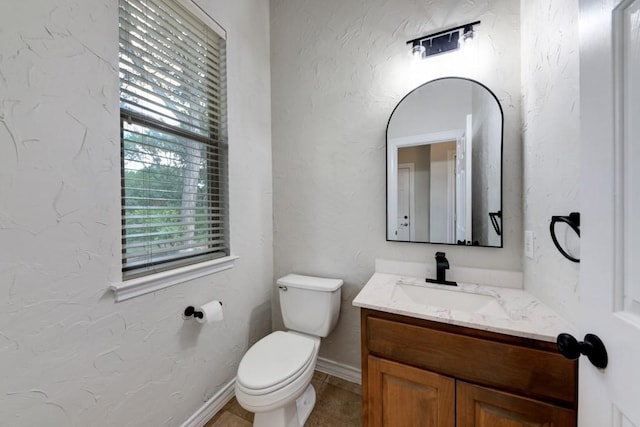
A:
{"x": 442, "y": 41}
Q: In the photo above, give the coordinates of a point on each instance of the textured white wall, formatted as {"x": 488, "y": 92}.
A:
{"x": 437, "y": 107}
{"x": 338, "y": 70}
{"x": 486, "y": 159}
{"x": 550, "y": 87}
{"x": 69, "y": 355}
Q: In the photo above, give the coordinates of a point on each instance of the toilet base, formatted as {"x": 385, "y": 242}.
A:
{"x": 305, "y": 404}
{"x": 294, "y": 414}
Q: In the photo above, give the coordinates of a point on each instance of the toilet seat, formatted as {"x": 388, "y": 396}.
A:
{"x": 274, "y": 362}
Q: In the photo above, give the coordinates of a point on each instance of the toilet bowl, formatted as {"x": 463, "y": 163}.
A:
{"x": 274, "y": 376}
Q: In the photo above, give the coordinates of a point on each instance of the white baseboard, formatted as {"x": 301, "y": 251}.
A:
{"x": 212, "y": 406}
{"x": 346, "y": 372}
{"x": 221, "y": 398}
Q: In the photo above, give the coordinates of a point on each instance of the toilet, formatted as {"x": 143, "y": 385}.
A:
{"x": 274, "y": 376}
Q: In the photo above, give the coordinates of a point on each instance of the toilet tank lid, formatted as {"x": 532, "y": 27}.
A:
{"x": 310, "y": 282}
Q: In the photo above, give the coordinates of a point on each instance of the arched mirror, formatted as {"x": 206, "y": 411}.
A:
{"x": 444, "y": 165}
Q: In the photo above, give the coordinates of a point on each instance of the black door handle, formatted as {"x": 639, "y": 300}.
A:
{"x": 592, "y": 347}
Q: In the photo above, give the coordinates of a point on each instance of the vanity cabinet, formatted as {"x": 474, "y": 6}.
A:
{"x": 422, "y": 373}
{"x": 401, "y": 395}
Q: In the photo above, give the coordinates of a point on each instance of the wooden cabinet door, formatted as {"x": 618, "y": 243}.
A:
{"x": 404, "y": 396}
{"x": 484, "y": 407}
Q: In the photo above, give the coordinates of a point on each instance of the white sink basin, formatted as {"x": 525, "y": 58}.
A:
{"x": 453, "y": 299}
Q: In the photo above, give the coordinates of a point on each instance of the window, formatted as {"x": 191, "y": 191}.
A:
{"x": 173, "y": 137}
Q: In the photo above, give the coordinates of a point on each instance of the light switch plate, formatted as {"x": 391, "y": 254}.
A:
{"x": 528, "y": 244}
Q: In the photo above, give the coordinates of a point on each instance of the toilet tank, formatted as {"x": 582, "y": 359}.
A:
{"x": 310, "y": 305}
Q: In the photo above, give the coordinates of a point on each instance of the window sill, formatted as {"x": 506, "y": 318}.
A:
{"x": 154, "y": 282}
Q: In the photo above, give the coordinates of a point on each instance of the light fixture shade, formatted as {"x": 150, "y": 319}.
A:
{"x": 418, "y": 51}
{"x": 467, "y": 33}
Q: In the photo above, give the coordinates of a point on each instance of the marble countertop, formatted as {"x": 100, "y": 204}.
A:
{"x": 516, "y": 313}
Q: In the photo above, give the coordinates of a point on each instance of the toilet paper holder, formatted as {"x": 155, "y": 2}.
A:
{"x": 191, "y": 311}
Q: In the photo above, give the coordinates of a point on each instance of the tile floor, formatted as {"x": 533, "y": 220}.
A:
{"x": 337, "y": 404}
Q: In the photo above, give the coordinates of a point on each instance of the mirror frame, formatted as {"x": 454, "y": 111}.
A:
{"x": 387, "y": 167}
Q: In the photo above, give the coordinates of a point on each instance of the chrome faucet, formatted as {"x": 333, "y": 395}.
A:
{"x": 442, "y": 265}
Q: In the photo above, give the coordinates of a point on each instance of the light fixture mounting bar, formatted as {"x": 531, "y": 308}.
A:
{"x": 439, "y": 33}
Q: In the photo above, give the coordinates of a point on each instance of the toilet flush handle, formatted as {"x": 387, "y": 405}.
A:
{"x": 283, "y": 288}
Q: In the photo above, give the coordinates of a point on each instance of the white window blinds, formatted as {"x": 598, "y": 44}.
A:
{"x": 173, "y": 135}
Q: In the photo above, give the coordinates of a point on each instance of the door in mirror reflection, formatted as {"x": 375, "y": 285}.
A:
{"x": 406, "y": 201}
{"x": 444, "y": 164}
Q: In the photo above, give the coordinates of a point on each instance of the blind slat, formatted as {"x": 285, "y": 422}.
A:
{"x": 173, "y": 134}
{"x": 197, "y": 241}
{"x": 190, "y": 79}
{"x": 181, "y": 251}
{"x": 143, "y": 267}
{"x": 183, "y": 24}
{"x": 192, "y": 111}
{"x": 208, "y": 58}
{"x": 146, "y": 144}
{"x": 129, "y": 227}
{"x": 131, "y": 235}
